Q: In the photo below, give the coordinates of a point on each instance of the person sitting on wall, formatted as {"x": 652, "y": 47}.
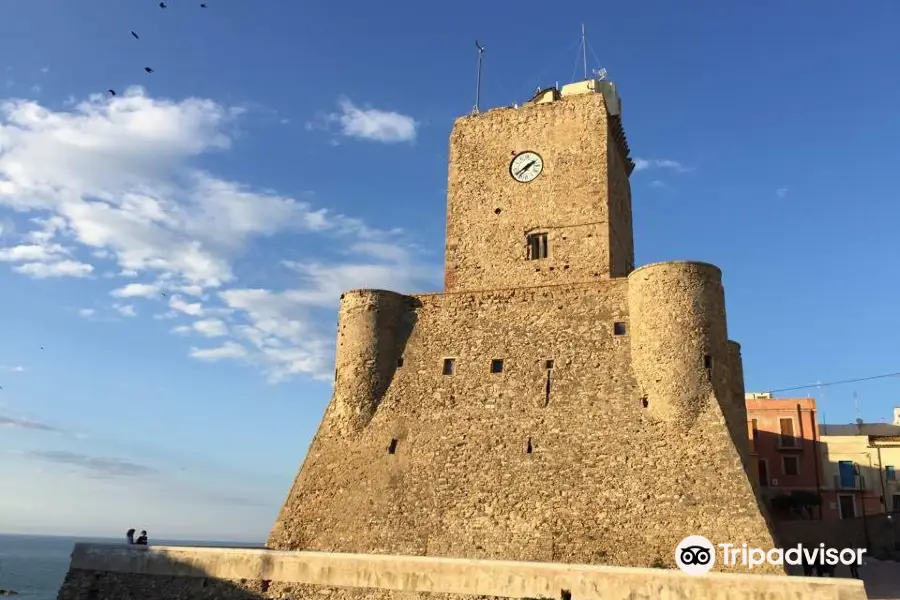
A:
{"x": 142, "y": 539}
{"x": 129, "y": 535}
{"x": 854, "y": 571}
{"x": 807, "y": 566}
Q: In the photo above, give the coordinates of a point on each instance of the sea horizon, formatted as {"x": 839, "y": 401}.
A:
{"x": 112, "y": 538}
{"x": 34, "y": 565}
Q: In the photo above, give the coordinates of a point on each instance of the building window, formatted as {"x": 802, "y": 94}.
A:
{"x": 754, "y": 434}
{"x": 846, "y": 474}
{"x": 787, "y": 439}
{"x": 890, "y": 473}
{"x": 618, "y": 328}
{"x": 449, "y": 366}
{"x": 790, "y": 465}
{"x": 895, "y": 503}
{"x": 763, "y": 473}
{"x": 847, "y": 506}
{"x": 548, "y": 364}
{"x": 537, "y": 246}
{"x": 392, "y": 448}
{"x": 497, "y": 365}
{"x": 399, "y": 362}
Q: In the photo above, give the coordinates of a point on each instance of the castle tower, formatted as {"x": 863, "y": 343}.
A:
{"x": 554, "y": 404}
{"x": 540, "y": 195}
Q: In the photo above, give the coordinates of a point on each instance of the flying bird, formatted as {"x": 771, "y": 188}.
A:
{"x": 42, "y": 347}
{"x": 135, "y": 35}
{"x": 148, "y": 69}
{"x": 112, "y": 92}
{"x": 162, "y": 4}
{"x": 203, "y": 5}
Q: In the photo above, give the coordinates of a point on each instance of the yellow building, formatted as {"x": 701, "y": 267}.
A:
{"x": 859, "y": 464}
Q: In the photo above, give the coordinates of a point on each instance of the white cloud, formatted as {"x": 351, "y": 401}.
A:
{"x": 194, "y": 309}
{"x": 109, "y": 181}
{"x": 226, "y": 350}
{"x": 642, "y": 164}
{"x": 781, "y": 192}
{"x": 656, "y": 183}
{"x": 31, "y": 252}
{"x": 87, "y": 312}
{"x": 126, "y": 310}
{"x": 15, "y": 369}
{"x": 136, "y": 290}
{"x": 211, "y": 327}
{"x": 65, "y": 268}
{"x": 369, "y": 123}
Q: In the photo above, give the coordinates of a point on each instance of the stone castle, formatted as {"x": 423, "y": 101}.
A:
{"x": 554, "y": 403}
{"x": 552, "y": 420}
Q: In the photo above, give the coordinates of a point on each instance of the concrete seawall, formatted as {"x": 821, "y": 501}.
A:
{"x": 112, "y": 572}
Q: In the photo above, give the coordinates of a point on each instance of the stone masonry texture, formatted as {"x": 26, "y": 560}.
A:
{"x": 100, "y": 585}
{"x": 570, "y": 409}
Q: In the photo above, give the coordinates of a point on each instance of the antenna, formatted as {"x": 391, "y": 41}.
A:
{"x": 856, "y": 405}
{"x": 584, "y": 50}
{"x": 478, "y": 78}
{"x": 600, "y": 74}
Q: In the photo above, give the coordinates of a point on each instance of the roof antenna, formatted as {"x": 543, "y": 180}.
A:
{"x": 478, "y": 78}
{"x": 584, "y": 50}
{"x": 859, "y": 420}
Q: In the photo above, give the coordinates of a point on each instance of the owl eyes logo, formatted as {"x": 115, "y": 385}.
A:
{"x": 695, "y": 555}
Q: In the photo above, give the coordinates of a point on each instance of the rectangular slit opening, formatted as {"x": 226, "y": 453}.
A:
{"x": 393, "y": 446}
{"x": 497, "y": 365}
{"x": 528, "y": 447}
{"x": 547, "y": 389}
{"x": 449, "y": 366}
{"x": 548, "y": 365}
{"x": 619, "y": 328}
{"x": 537, "y": 246}
{"x": 707, "y": 362}
{"x": 399, "y": 362}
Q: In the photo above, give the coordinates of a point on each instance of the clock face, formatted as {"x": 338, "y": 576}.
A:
{"x": 525, "y": 167}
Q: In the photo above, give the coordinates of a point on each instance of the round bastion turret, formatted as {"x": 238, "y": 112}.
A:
{"x": 372, "y": 329}
{"x": 679, "y": 338}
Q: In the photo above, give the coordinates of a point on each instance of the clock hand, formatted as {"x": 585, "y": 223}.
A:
{"x": 525, "y": 168}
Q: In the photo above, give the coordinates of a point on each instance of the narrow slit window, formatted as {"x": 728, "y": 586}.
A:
{"x": 497, "y": 365}
{"x": 707, "y": 362}
{"x": 537, "y": 246}
{"x": 399, "y": 362}
{"x": 548, "y": 364}
{"x": 619, "y": 328}
{"x": 528, "y": 447}
{"x": 645, "y": 402}
{"x": 392, "y": 448}
{"x": 449, "y": 366}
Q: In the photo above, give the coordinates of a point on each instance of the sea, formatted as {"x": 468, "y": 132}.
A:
{"x": 35, "y": 566}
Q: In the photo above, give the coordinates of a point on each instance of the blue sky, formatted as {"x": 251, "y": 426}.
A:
{"x": 282, "y": 152}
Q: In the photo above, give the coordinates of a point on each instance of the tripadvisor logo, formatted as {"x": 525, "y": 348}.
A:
{"x": 696, "y": 555}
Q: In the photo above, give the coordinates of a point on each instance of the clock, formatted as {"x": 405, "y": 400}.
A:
{"x": 526, "y": 166}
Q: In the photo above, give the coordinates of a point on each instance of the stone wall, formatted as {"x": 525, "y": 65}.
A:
{"x": 581, "y": 197}
{"x": 555, "y": 458}
{"x": 157, "y": 573}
